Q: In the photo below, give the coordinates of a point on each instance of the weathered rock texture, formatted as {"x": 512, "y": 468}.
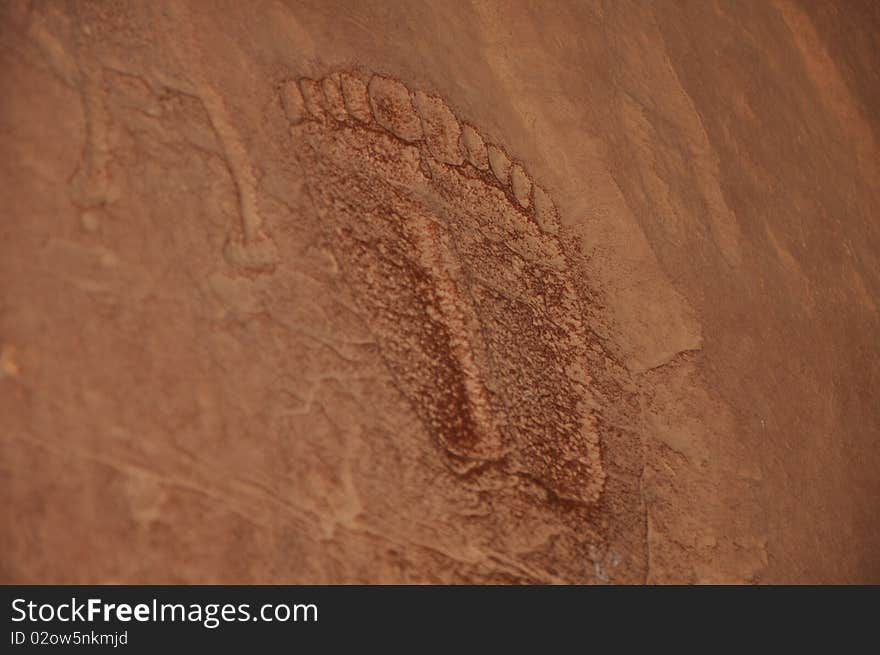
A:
{"x": 440, "y": 292}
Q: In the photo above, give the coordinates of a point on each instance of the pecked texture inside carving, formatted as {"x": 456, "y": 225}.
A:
{"x": 460, "y": 275}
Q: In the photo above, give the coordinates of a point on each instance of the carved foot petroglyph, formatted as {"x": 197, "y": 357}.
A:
{"x": 452, "y": 252}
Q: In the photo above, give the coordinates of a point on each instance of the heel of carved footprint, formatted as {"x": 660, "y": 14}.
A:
{"x": 460, "y": 272}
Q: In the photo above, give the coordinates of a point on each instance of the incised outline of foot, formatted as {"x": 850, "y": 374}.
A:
{"x": 452, "y": 252}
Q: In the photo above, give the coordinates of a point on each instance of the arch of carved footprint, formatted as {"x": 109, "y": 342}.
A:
{"x": 453, "y": 254}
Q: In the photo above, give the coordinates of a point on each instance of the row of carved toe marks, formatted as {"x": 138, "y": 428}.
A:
{"x": 416, "y": 117}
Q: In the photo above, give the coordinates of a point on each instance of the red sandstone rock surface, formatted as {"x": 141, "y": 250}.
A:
{"x": 375, "y": 292}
